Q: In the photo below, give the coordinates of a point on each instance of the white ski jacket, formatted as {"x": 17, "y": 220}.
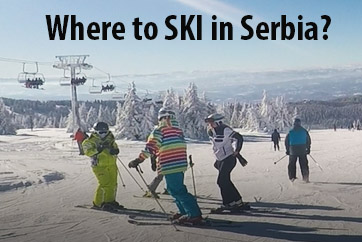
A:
{"x": 222, "y": 138}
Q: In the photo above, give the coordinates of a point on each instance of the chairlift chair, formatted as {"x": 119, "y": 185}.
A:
{"x": 108, "y": 86}
{"x": 25, "y": 74}
{"x": 118, "y": 96}
{"x": 79, "y": 79}
{"x": 94, "y": 89}
{"x": 64, "y": 81}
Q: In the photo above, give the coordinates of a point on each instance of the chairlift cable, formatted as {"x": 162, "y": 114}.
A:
{"x": 24, "y": 61}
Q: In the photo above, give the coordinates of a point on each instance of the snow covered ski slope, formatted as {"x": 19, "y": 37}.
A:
{"x": 42, "y": 179}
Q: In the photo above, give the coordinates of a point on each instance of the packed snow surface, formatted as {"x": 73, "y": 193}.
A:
{"x": 42, "y": 179}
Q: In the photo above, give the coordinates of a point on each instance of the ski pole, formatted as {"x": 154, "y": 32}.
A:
{"x": 120, "y": 176}
{"x": 155, "y": 197}
{"x": 130, "y": 174}
{"x": 279, "y": 160}
{"x": 192, "y": 173}
{"x": 315, "y": 162}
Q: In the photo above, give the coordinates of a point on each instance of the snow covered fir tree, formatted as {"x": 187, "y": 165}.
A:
{"x": 7, "y": 126}
{"x": 135, "y": 117}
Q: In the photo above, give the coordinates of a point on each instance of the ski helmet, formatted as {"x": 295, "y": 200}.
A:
{"x": 215, "y": 117}
{"x": 165, "y": 112}
{"x": 100, "y": 126}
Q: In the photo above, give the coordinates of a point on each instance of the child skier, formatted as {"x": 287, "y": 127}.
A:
{"x": 103, "y": 150}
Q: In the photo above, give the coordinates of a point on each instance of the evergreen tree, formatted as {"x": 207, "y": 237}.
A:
{"x": 83, "y": 113}
{"x": 149, "y": 121}
{"x": 92, "y": 116}
{"x": 69, "y": 122}
{"x": 171, "y": 101}
{"x": 104, "y": 115}
{"x": 193, "y": 113}
{"x": 7, "y": 126}
{"x": 130, "y": 116}
{"x": 234, "y": 120}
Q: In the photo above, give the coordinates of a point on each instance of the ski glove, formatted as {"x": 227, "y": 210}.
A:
{"x": 134, "y": 163}
{"x": 114, "y": 151}
{"x": 308, "y": 151}
{"x": 100, "y": 148}
{"x": 287, "y": 153}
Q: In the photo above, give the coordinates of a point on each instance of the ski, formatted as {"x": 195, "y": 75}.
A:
{"x": 160, "y": 198}
{"x": 207, "y": 222}
{"x": 125, "y": 211}
{"x": 225, "y": 210}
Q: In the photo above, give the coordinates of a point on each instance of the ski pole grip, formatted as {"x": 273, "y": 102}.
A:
{"x": 191, "y": 163}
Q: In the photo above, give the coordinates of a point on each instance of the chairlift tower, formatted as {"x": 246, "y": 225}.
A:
{"x": 73, "y": 63}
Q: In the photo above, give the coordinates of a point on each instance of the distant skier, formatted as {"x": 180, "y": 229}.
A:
{"x": 103, "y": 150}
{"x": 80, "y": 136}
{"x": 335, "y": 127}
{"x": 31, "y": 123}
{"x": 297, "y": 145}
{"x": 167, "y": 142}
{"x": 222, "y": 138}
{"x": 275, "y": 137}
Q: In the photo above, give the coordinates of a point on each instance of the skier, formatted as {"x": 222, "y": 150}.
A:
{"x": 103, "y": 150}
{"x": 275, "y": 138}
{"x": 31, "y": 123}
{"x": 80, "y": 136}
{"x": 167, "y": 142}
{"x": 155, "y": 182}
{"x": 222, "y": 138}
{"x": 297, "y": 145}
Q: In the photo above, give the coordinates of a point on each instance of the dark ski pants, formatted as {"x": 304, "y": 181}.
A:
{"x": 229, "y": 193}
{"x": 80, "y": 147}
{"x": 303, "y": 162}
{"x": 276, "y": 145}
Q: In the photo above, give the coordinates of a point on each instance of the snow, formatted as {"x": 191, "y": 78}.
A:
{"x": 42, "y": 179}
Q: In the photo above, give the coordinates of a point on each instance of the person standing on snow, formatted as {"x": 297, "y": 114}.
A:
{"x": 297, "y": 145}
{"x": 155, "y": 182}
{"x": 103, "y": 150}
{"x": 275, "y": 138}
{"x": 80, "y": 136}
{"x": 222, "y": 138}
{"x": 167, "y": 143}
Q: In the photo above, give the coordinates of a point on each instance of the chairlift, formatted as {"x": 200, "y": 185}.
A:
{"x": 159, "y": 102}
{"x": 145, "y": 100}
{"x": 108, "y": 86}
{"x": 118, "y": 96}
{"x": 32, "y": 79}
{"x": 94, "y": 89}
{"x": 79, "y": 79}
{"x": 65, "y": 80}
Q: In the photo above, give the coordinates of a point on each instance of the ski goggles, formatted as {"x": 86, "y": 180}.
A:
{"x": 101, "y": 131}
{"x": 165, "y": 113}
